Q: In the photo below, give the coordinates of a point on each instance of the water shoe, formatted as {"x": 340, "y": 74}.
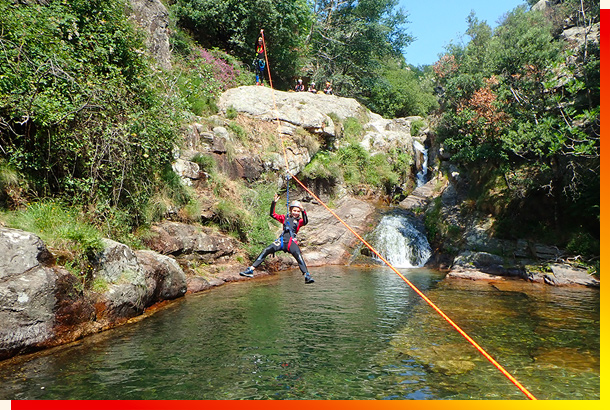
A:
{"x": 249, "y": 273}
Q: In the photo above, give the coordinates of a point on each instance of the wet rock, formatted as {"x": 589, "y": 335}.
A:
{"x": 325, "y": 241}
{"x": 423, "y": 195}
{"x": 453, "y": 367}
{"x": 566, "y": 275}
{"x": 482, "y": 265}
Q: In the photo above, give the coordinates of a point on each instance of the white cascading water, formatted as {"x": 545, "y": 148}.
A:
{"x": 423, "y": 167}
{"x": 400, "y": 243}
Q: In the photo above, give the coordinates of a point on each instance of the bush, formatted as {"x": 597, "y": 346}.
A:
{"x": 232, "y": 218}
{"x": 582, "y": 243}
{"x": 352, "y": 128}
{"x": 260, "y": 235}
{"x": 83, "y": 114}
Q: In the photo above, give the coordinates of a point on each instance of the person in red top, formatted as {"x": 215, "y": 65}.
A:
{"x": 259, "y": 60}
{"x": 287, "y": 242}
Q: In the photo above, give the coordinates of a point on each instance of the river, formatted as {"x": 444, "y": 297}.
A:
{"x": 357, "y": 333}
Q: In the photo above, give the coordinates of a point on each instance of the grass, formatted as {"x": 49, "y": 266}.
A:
{"x": 63, "y": 229}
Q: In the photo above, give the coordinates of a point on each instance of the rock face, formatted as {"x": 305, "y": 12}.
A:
{"x": 153, "y": 18}
{"x": 325, "y": 241}
{"x": 190, "y": 242}
{"x": 118, "y": 268}
{"x": 27, "y": 292}
{"x": 423, "y": 195}
{"x": 165, "y": 279}
{"x": 316, "y": 113}
{"x": 43, "y": 305}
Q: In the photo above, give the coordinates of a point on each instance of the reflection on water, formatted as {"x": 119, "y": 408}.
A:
{"x": 355, "y": 334}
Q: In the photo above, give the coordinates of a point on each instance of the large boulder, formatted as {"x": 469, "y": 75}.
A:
{"x": 562, "y": 274}
{"x": 310, "y": 111}
{"x": 325, "y": 240}
{"x": 27, "y": 292}
{"x": 480, "y": 265}
{"x": 189, "y": 242}
{"x": 382, "y": 135}
{"x": 121, "y": 282}
{"x": 165, "y": 280}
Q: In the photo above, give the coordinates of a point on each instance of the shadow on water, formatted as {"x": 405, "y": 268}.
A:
{"x": 355, "y": 334}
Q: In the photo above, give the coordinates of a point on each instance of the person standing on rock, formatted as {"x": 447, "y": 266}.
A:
{"x": 299, "y": 87}
{"x": 287, "y": 242}
{"x": 259, "y": 60}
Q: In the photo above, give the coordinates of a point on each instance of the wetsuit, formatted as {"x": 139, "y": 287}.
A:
{"x": 287, "y": 241}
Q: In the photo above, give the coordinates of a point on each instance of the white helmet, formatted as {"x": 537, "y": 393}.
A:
{"x": 296, "y": 204}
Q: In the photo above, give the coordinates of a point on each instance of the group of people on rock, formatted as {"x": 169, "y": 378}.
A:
{"x": 299, "y": 87}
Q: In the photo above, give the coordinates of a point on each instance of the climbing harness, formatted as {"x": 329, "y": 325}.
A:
{"x": 407, "y": 281}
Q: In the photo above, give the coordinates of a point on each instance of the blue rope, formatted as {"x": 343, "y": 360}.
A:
{"x": 287, "y": 194}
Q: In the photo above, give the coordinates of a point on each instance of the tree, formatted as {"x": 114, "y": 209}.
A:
{"x": 523, "y": 102}
{"x": 350, "y": 41}
{"x": 234, "y": 26}
{"x": 400, "y": 91}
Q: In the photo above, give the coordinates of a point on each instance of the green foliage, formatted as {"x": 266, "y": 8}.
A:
{"x": 203, "y": 74}
{"x": 82, "y": 117}
{"x": 238, "y": 130}
{"x": 519, "y": 100}
{"x": 417, "y": 126}
{"x": 235, "y": 26}
{"x": 582, "y": 243}
{"x": 399, "y": 92}
{"x": 261, "y": 231}
{"x": 231, "y": 113}
{"x": 350, "y": 39}
{"x": 207, "y": 163}
{"x": 231, "y": 217}
{"x": 352, "y": 129}
{"x": 354, "y": 166}
{"x": 323, "y": 166}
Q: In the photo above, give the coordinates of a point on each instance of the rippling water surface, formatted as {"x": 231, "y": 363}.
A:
{"x": 354, "y": 334}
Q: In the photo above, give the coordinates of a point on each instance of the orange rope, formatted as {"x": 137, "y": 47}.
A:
{"x": 408, "y": 282}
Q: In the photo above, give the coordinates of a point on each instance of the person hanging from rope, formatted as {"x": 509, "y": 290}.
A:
{"x": 259, "y": 60}
{"x": 287, "y": 242}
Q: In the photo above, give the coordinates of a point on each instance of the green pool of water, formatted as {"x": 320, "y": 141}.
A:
{"x": 354, "y": 334}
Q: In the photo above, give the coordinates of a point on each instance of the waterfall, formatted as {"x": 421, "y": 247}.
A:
{"x": 401, "y": 243}
{"x": 421, "y": 162}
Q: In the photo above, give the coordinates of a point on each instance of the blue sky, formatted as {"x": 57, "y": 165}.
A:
{"x": 436, "y": 23}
